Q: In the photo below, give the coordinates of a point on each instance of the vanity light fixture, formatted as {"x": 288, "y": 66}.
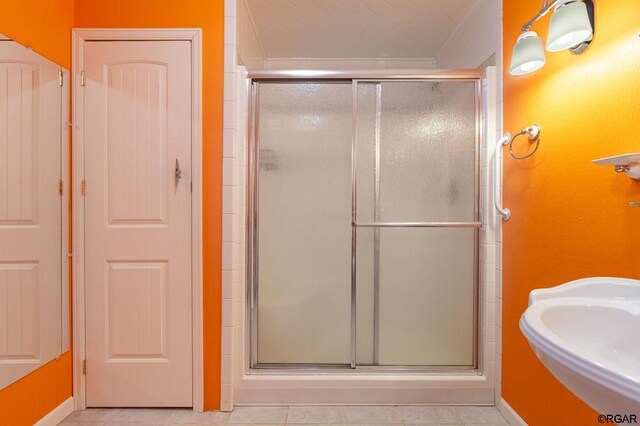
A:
{"x": 528, "y": 54}
{"x": 571, "y": 27}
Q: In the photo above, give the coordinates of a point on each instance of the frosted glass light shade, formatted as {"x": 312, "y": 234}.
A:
{"x": 528, "y": 54}
{"x": 569, "y": 26}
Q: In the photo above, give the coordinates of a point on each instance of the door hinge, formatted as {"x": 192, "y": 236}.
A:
{"x": 60, "y": 78}
{"x": 83, "y": 189}
{"x": 81, "y": 78}
{"x": 84, "y": 367}
{"x": 60, "y": 187}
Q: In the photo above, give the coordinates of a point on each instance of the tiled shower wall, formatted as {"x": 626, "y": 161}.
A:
{"x": 232, "y": 208}
{"x": 250, "y": 48}
{"x": 478, "y": 39}
{"x": 348, "y": 63}
{"x": 234, "y": 234}
{"x": 240, "y": 37}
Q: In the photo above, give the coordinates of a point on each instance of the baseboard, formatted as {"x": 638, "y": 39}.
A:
{"x": 58, "y": 414}
{"x": 509, "y": 414}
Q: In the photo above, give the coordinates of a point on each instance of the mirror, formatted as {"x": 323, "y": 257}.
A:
{"x": 34, "y": 211}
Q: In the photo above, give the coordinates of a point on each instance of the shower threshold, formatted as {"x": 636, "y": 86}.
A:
{"x": 367, "y": 388}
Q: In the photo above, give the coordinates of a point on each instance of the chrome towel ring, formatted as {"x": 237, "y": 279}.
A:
{"x": 533, "y": 133}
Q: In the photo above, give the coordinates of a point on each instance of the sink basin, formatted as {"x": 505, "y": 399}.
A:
{"x": 587, "y": 334}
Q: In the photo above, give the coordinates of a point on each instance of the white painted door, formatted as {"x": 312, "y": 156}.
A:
{"x": 30, "y": 211}
{"x": 138, "y": 223}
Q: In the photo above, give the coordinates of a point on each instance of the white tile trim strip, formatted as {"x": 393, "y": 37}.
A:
{"x": 230, "y": 205}
{"x": 58, "y": 414}
{"x": 510, "y": 415}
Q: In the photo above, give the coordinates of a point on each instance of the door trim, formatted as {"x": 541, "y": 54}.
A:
{"x": 80, "y": 36}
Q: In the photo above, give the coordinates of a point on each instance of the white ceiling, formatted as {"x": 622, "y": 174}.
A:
{"x": 356, "y": 28}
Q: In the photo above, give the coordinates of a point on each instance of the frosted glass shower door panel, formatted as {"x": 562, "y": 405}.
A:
{"x": 426, "y": 308}
{"x": 427, "y": 297}
{"x": 417, "y": 213}
{"x": 422, "y": 137}
{"x": 304, "y": 133}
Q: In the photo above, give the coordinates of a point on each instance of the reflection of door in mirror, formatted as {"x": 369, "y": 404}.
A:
{"x": 31, "y": 275}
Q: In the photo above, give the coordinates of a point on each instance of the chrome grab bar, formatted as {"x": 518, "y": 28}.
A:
{"x": 497, "y": 177}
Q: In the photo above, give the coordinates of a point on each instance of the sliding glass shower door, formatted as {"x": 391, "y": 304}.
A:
{"x": 304, "y": 223}
{"x": 416, "y": 221}
{"x": 364, "y": 224}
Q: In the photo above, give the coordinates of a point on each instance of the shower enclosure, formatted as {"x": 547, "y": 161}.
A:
{"x": 364, "y": 221}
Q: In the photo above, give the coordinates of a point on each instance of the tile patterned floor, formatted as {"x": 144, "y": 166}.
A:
{"x": 294, "y": 415}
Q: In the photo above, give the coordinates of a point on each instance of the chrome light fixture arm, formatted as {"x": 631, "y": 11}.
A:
{"x": 546, "y": 7}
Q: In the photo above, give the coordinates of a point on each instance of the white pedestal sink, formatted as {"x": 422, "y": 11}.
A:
{"x": 587, "y": 333}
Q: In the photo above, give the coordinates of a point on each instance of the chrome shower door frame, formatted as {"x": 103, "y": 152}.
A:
{"x": 252, "y": 294}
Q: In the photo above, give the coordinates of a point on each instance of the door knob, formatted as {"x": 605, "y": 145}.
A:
{"x": 178, "y": 172}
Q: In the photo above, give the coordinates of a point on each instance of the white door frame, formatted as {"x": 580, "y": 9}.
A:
{"x": 80, "y": 36}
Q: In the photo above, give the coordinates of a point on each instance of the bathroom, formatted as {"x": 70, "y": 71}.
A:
{"x": 338, "y": 269}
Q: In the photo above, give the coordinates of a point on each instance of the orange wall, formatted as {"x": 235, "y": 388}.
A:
{"x": 36, "y": 394}
{"x": 570, "y": 218}
{"x": 45, "y": 25}
{"x": 208, "y": 15}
